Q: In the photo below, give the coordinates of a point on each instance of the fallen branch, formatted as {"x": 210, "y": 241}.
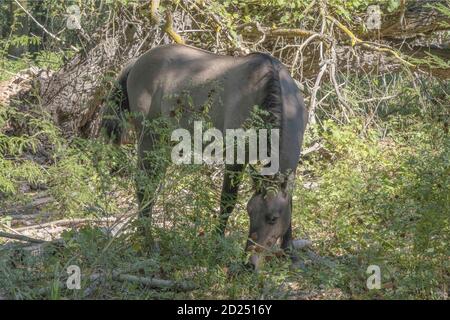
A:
{"x": 117, "y": 275}
{"x": 35, "y": 203}
{"x": 98, "y": 278}
{"x": 25, "y": 218}
{"x": 364, "y": 44}
{"x": 415, "y": 18}
{"x": 155, "y": 282}
{"x": 404, "y": 55}
{"x": 65, "y": 222}
{"x": 20, "y": 237}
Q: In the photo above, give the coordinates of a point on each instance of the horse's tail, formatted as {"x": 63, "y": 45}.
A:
{"x": 114, "y": 118}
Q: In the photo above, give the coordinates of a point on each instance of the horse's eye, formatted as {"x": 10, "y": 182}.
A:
{"x": 272, "y": 219}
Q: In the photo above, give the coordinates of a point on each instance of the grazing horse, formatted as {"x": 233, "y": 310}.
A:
{"x": 169, "y": 77}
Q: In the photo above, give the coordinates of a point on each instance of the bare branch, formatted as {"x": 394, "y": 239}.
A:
{"x": 315, "y": 89}
{"x": 254, "y": 29}
{"x": 154, "y": 11}
{"x": 168, "y": 28}
{"x": 364, "y": 44}
{"x": 42, "y": 27}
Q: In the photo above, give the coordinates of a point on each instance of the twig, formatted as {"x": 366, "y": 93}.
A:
{"x": 42, "y": 27}
{"x": 315, "y": 147}
{"x": 378, "y": 99}
{"x": 8, "y": 228}
{"x": 335, "y": 83}
{"x": 195, "y": 30}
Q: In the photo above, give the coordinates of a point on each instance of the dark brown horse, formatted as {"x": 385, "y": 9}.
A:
{"x": 167, "y": 77}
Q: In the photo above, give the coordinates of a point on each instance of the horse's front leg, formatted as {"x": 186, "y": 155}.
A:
{"x": 231, "y": 181}
{"x": 288, "y": 248}
{"x": 286, "y": 242}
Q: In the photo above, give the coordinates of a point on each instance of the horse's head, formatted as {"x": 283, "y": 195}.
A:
{"x": 270, "y": 218}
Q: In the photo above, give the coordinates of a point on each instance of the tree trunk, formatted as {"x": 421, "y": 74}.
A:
{"x": 74, "y": 95}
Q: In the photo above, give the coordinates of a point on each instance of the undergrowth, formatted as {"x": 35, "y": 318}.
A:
{"x": 376, "y": 194}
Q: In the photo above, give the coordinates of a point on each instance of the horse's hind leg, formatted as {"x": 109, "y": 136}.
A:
{"x": 231, "y": 181}
{"x": 148, "y": 178}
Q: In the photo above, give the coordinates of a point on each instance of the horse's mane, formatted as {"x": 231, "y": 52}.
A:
{"x": 272, "y": 102}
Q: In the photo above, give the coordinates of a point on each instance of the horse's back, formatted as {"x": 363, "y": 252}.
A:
{"x": 167, "y": 77}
